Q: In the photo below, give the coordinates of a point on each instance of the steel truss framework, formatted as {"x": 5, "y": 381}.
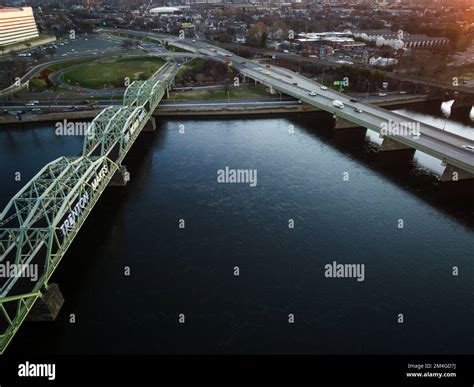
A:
{"x": 40, "y": 222}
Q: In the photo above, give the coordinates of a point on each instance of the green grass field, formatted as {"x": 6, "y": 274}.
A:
{"x": 99, "y": 75}
{"x": 69, "y": 63}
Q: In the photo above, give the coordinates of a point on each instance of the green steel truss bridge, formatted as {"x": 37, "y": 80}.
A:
{"x": 41, "y": 221}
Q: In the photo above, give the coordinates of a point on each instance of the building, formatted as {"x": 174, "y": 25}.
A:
{"x": 17, "y": 25}
{"x": 344, "y": 40}
{"x": 400, "y": 39}
{"x": 382, "y": 62}
{"x": 166, "y": 11}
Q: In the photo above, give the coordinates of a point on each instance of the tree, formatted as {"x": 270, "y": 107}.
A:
{"x": 258, "y": 34}
{"x": 127, "y": 44}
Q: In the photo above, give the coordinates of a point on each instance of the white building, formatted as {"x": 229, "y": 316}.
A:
{"x": 165, "y": 11}
{"x": 401, "y": 39}
{"x": 382, "y": 62}
{"x": 17, "y": 25}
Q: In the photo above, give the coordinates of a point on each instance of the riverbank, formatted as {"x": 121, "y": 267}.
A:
{"x": 215, "y": 107}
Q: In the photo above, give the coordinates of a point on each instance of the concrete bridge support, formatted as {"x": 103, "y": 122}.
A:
{"x": 454, "y": 174}
{"x": 347, "y": 132}
{"x": 271, "y": 90}
{"x": 394, "y": 153}
{"x": 47, "y": 307}
{"x": 121, "y": 177}
{"x": 150, "y": 126}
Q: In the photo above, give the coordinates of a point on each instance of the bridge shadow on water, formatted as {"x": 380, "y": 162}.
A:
{"x": 455, "y": 199}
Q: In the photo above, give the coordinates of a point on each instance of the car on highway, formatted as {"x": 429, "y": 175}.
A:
{"x": 228, "y": 55}
{"x": 382, "y": 94}
{"x": 324, "y": 88}
{"x": 15, "y": 112}
{"x": 194, "y": 40}
{"x": 36, "y": 110}
{"x": 354, "y": 100}
{"x": 357, "y": 110}
{"x": 312, "y": 94}
{"x": 295, "y": 83}
{"x": 469, "y": 147}
{"x": 338, "y": 104}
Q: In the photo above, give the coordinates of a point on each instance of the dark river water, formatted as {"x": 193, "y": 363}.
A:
{"x": 191, "y": 270}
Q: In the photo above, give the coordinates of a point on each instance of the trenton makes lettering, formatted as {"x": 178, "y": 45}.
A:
{"x": 69, "y": 223}
{"x": 100, "y": 176}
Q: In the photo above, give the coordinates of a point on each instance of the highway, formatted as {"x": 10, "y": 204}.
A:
{"x": 434, "y": 141}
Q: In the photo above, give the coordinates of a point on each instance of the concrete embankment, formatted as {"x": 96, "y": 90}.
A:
{"x": 174, "y": 109}
{"x": 188, "y": 108}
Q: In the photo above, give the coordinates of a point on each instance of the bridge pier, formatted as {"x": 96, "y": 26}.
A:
{"x": 454, "y": 174}
{"x": 120, "y": 178}
{"x": 347, "y": 132}
{"x": 47, "y": 307}
{"x": 392, "y": 152}
{"x": 150, "y": 126}
{"x": 271, "y": 90}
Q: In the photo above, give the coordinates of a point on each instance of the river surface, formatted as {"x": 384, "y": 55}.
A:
{"x": 345, "y": 207}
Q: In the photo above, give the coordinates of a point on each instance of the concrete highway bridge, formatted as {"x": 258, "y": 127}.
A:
{"x": 402, "y": 135}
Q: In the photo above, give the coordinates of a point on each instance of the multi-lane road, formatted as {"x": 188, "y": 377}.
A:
{"x": 451, "y": 148}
